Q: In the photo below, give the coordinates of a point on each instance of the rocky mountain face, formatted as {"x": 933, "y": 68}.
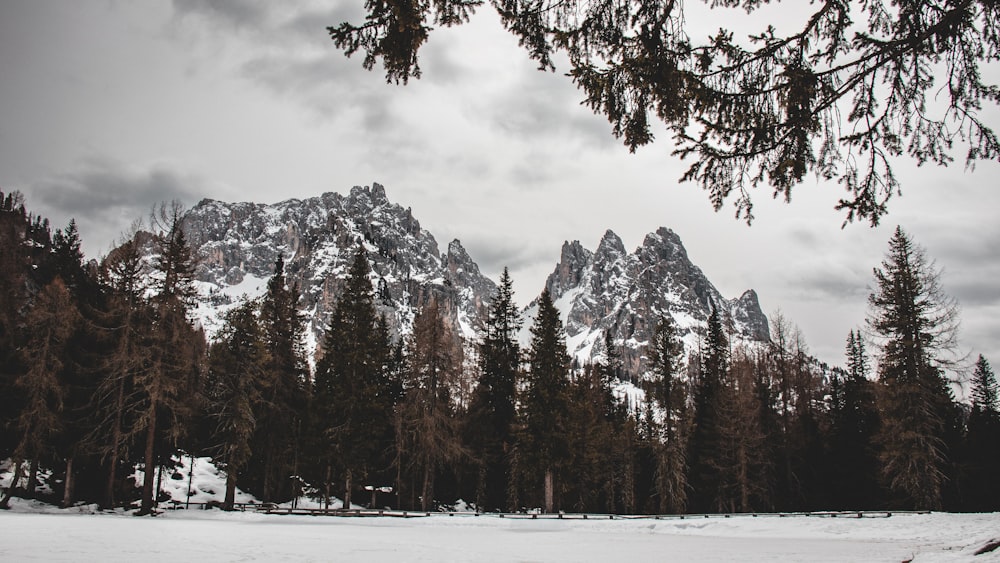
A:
{"x": 237, "y": 245}
{"x": 612, "y": 290}
{"x": 607, "y": 290}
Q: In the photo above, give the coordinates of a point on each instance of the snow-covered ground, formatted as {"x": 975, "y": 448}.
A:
{"x": 30, "y": 532}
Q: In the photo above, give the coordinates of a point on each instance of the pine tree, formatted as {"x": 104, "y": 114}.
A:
{"x": 985, "y": 391}
{"x": 705, "y": 447}
{"x": 236, "y": 378}
{"x": 667, "y": 391}
{"x": 284, "y": 387}
{"x": 354, "y": 395}
{"x": 544, "y": 412}
{"x": 983, "y": 440}
{"x": 491, "y": 413}
{"x": 589, "y": 480}
{"x": 84, "y": 349}
{"x": 916, "y": 322}
{"x": 854, "y": 425}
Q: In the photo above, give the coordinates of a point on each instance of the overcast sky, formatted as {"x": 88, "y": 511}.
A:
{"x": 109, "y": 106}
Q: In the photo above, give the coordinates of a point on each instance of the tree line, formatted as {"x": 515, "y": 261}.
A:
{"x": 103, "y": 371}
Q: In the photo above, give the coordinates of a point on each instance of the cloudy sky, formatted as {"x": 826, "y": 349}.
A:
{"x": 109, "y": 106}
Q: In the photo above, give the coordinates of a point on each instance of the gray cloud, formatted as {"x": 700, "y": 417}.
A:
{"x": 234, "y": 13}
{"x": 493, "y": 255}
{"x": 975, "y": 292}
{"x": 831, "y": 285}
{"x": 103, "y": 196}
{"x": 323, "y": 84}
{"x": 541, "y": 107}
{"x": 310, "y": 25}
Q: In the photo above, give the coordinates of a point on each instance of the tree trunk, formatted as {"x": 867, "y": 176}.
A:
{"x": 187, "y": 503}
{"x": 347, "y": 491}
{"x": 425, "y": 498}
{"x": 147, "y": 479}
{"x": 268, "y": 463}
{"x": 33, "y": 478}
{"x": 227, "y": 504}
{"x": 326, "y": 488}
{"x": 70, "y": 484}
{"x": 116, "y": 439}
{"x": 549, "y": 486}
{"x": 109, "y": 490}
{"x": 159, "y": 484}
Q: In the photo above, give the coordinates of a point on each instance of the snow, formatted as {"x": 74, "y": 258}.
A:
{"x": 210, "y": 317}
{"x": 208, "y": 483}
{"x": 35, "y": 533}
{"x": 41, "y": 532}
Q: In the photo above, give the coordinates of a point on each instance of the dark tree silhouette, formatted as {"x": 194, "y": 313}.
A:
{"x": 842, "y": 94}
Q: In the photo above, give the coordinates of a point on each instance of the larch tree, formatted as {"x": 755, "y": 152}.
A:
{"x": 14, "y": 268}
{"x": 916, "y": 324}
{"x": 744, "y": 460}
{"x": 173, "y": 342}
{"x": 129, "y": 319}
{"x": 430, "y": 431}
{"x": 842, "y": 91}
{"x": 50, "y": 324}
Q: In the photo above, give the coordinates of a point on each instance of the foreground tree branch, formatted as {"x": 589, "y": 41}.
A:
{"x": 861, "y": 84}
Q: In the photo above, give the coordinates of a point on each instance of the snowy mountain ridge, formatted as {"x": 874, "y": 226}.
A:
{"x": 607, "y": 290}
{"x": 611, "y": 290}
{"x": 237, "y": 245}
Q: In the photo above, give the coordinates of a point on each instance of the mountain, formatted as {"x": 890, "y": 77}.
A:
{"x": 609, "y": 289}
{"x": 237, "y": 245}
{"x": 612, "y": 290}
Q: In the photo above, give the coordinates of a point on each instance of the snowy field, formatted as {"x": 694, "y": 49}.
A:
{"x": 30, "y": 532}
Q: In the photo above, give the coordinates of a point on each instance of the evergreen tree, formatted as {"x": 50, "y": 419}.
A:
{"x": 491, "y": 413}
{"x": 542, "y": 445}
{"x": 705, "y": 447}
{"x": 916, "y": 322}
{"x": 854, "y": 425}
{"x": 355, "y": 395}
{"x": 236, "y": 377}
{"x": 68, "y": 262}
{"x": 985, "y": 391}
{"x": 801, "y": 98}
{"x": 667, "y": 391}
{"x": 589, "y": 480}
{"x": 983, "y": 440}
{"x": 283, "y": 387}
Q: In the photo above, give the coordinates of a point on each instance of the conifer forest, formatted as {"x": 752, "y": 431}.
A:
{"x": 103, "y": 372}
